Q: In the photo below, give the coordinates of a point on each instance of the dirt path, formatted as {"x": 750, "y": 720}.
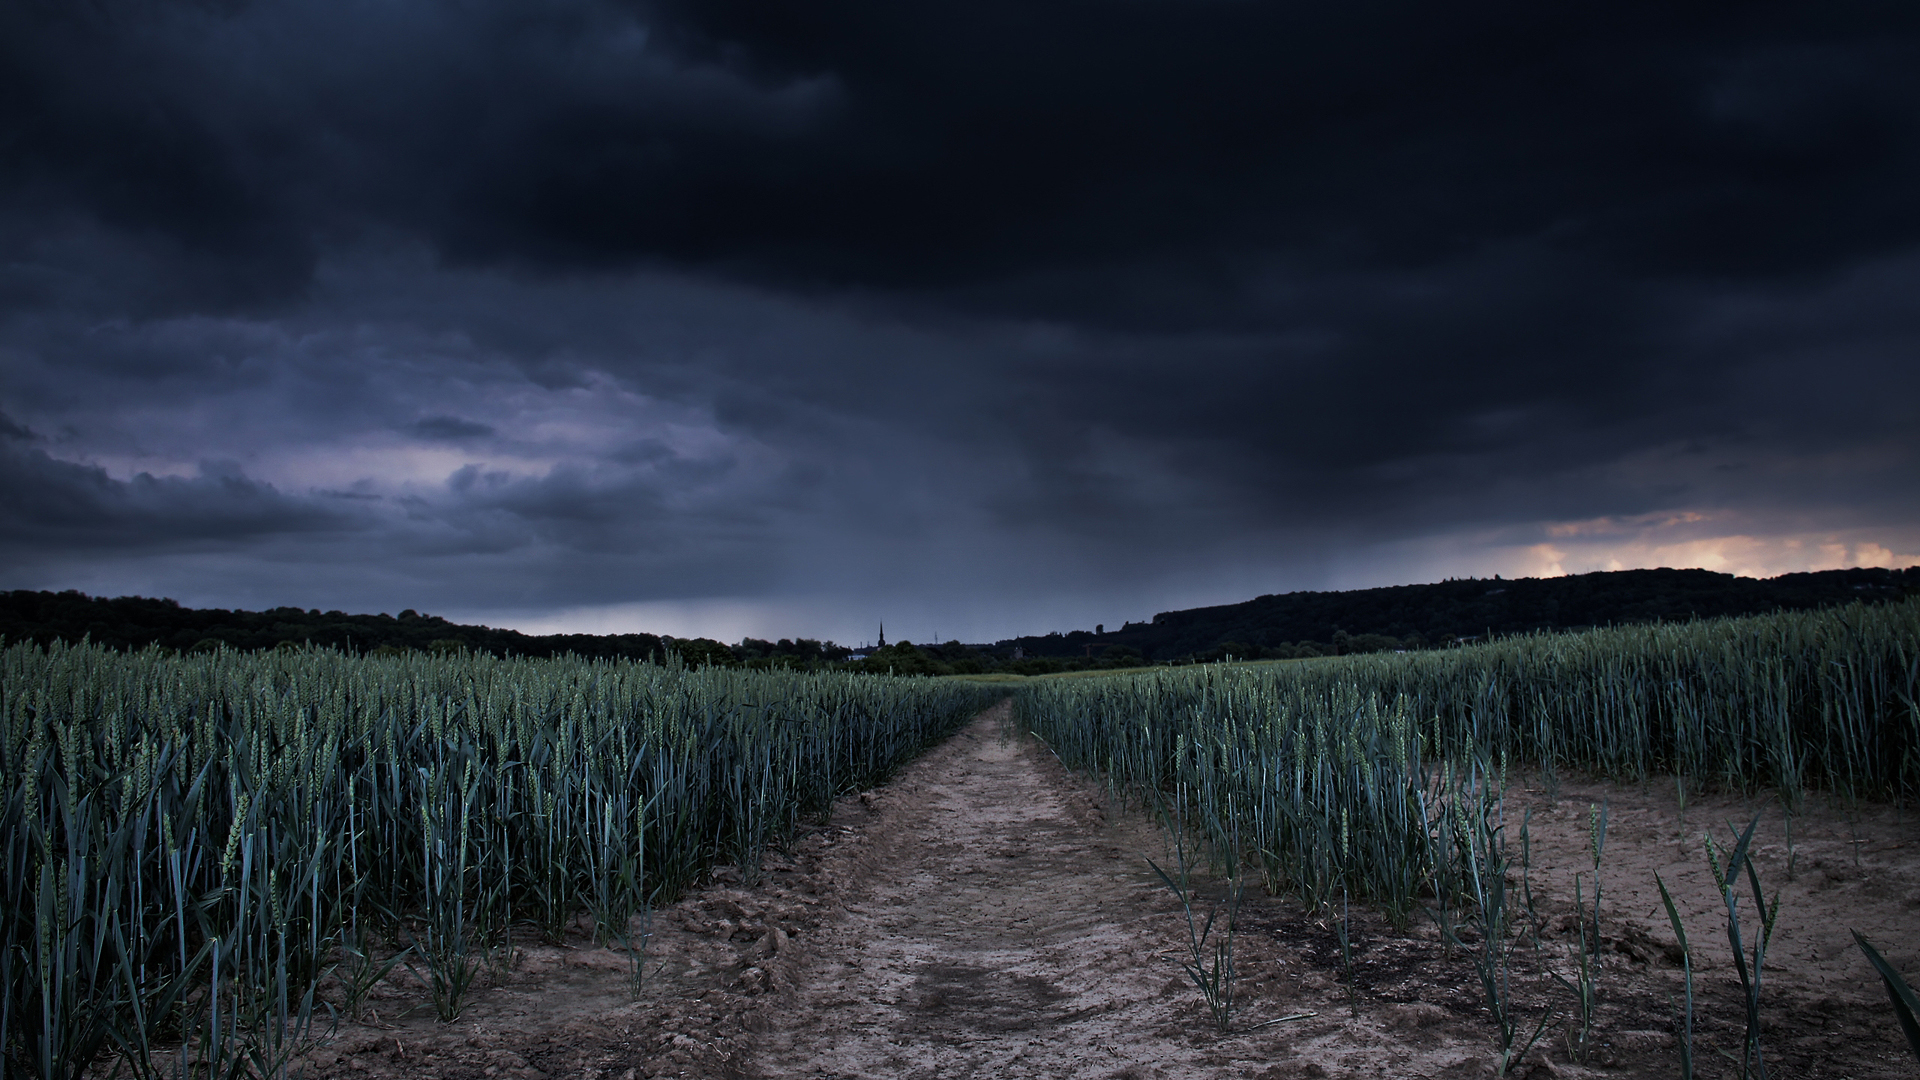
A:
{"x": 1004, "y": 927}
{"x": 987, "y": 914}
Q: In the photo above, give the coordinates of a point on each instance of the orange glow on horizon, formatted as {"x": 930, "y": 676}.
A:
{"x": 1672, "y": 540}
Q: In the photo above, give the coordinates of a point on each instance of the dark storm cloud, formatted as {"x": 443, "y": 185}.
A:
{"x": 59, "y": 504}
{"x": 450, "y": 428}
{"x": 11, "y": 432}
{"x": 620, "y": 300}
{"x": 968, "y": 146}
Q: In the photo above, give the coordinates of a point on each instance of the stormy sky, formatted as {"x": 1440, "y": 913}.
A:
{"x": 978, "y": 318}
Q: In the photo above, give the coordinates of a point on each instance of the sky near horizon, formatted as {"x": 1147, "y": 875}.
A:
{"x": 982, "y": 319}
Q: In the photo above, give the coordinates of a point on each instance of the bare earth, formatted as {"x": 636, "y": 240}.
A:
{"x": 988, "y": 915}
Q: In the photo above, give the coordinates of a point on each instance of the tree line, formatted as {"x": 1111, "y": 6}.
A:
{"x": 1413, "y": 617}
{"x": 1286, "y": 626}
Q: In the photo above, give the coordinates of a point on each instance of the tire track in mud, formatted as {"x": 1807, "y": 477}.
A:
{"x": 995, "y": 923}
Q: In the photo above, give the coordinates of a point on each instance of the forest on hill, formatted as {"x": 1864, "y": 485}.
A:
{"x": 1294, "y": 624}
{"x": 132, "y": 622}
{"x": 1463, "y": 609}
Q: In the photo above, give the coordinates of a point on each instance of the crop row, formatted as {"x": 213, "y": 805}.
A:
{"x": 190, "y": 843}
{"x": 1336, "y": 771}
{"x": 1382, "y": 778}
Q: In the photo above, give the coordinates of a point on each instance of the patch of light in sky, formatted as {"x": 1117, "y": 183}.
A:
{"x": 1723, "y": 543}
{"x": 1740, "y": 555}
{"x": 721, "y": 618}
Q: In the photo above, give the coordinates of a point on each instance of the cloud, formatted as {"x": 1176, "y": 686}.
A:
{"x": 1067, "y": 160}
{"x": 1054, "y": 311}
{"x": 63, "y": 506}
{"x": 14, "y": 432}
{"x": 1740, "y": 554}
{"x": 449, "y": 428}
{"x": 661, "y": 436}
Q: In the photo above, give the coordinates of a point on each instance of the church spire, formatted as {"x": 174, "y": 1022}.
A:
{"x": 883, "y": 636}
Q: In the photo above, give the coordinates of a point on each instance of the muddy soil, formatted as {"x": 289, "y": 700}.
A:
{"x": 989, "y": 915}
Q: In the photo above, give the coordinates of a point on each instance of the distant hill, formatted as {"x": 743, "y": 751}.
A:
{"x": 1419, "y": 616}
{"x": 136, "y": 621}
{"x": 1292, "y": 624}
